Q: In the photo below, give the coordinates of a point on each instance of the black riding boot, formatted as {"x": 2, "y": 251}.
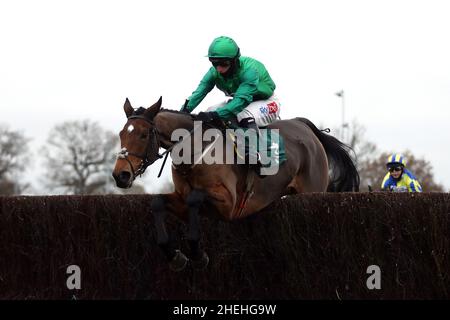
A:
{"x": 252, "y": 156}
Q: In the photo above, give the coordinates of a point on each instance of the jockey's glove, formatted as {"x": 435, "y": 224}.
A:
{"x": 208, "y": 116}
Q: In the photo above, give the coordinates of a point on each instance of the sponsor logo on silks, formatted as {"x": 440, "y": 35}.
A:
{"x": 264, "y": 110}
{"x": 273, "y": 107}
{"x": 270, "y": 108}
{"x": 399, "y": 189}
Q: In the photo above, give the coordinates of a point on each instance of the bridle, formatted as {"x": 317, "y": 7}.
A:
{"x": 146, "y": 159}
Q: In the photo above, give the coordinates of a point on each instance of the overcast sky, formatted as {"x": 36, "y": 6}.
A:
{"x": 67, "y": 60}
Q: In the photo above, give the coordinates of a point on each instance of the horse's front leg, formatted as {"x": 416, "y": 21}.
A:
{"x": 199, "y": 258}
{"x": 161, "y": 205}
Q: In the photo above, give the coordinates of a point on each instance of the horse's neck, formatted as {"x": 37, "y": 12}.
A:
{"x": 167, "y": 122}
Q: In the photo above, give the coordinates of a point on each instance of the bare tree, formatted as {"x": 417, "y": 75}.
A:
{"x": 13, "y": 158}
{"x": 364, "y": 151}
{"x": 79, "y": 158}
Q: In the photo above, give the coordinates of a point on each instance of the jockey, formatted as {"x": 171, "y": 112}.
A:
{"x": 399, "y": 179}
{"x": 245, "y": 80}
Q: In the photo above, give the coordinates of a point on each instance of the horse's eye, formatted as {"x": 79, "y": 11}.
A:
{"x": 144, "y": 136}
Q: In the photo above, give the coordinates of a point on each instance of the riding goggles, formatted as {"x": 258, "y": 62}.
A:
{"x": 220, "y": 62}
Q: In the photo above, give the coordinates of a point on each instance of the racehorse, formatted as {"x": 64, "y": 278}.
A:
{"x": 316, "y": 162}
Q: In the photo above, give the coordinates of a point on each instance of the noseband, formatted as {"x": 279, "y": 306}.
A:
{"x": 147, "y": 158}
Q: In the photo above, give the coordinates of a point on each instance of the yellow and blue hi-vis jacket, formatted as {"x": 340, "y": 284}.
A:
{"x": 407, "y": 182}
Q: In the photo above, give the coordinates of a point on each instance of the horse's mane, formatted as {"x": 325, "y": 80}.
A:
{"x": 140, "y": 111}
{"x": 178, "y": 112}
{"x": 193, "y": 117}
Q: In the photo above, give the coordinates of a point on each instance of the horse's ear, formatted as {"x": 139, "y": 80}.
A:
{"x": 154, "y": 109}
{"x": 128, "y": 108}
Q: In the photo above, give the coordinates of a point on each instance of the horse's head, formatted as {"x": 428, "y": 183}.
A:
{"x": 139, "y": 144}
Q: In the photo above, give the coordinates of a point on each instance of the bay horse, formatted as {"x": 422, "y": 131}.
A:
{"x": 316, "y": 162}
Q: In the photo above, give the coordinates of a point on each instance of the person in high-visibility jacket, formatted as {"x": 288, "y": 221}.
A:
{"x": 399, "y": 179}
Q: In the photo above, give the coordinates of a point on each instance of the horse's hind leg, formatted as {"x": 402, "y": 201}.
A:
{"x": 199, "y": 258}
{"x": 177, "y": 260}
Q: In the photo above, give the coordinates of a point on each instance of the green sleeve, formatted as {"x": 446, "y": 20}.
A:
{"x": 243, "y": 96}
{"x": 205, "y": 86}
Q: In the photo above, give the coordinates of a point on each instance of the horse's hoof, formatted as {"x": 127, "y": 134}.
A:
{"x": 178, "y": 262}
{"x": 200, "y": 263}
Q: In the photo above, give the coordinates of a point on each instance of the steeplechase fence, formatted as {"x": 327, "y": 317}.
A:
{"x": 310, "y": 246}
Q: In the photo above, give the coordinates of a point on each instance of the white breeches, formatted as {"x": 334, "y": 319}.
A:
{"x": 263, "y": 111}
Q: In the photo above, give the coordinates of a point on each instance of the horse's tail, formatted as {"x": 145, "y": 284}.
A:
{"x": 344, "y": 176}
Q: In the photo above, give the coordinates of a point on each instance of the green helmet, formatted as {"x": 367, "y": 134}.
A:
{"x": 223, "y": 47}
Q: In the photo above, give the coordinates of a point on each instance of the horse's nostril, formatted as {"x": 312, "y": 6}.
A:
{"x": 123, "y": 179}
{"x": 124, "y": 176}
